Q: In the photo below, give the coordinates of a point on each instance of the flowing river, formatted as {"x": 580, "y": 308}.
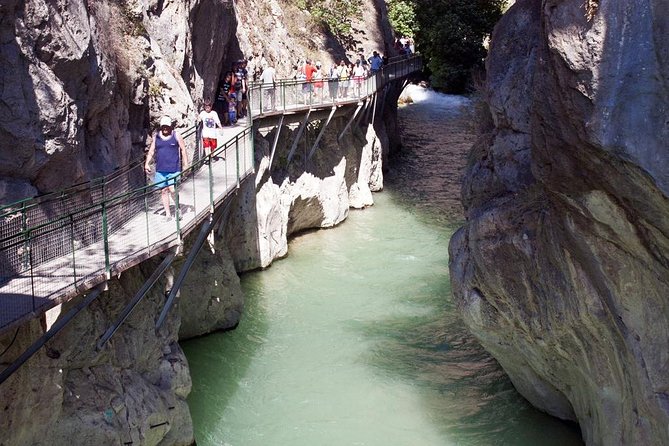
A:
{"x": 353, "y": 339}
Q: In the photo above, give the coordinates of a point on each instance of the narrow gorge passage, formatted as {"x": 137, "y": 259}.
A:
{"x": 353, "y": 339}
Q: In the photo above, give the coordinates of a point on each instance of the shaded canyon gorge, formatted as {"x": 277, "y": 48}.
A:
{"x": 560, "y": 269}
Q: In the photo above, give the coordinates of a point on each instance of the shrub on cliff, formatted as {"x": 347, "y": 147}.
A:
{"x": 336, "y": 17}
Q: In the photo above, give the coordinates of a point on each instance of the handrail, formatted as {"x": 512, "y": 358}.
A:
{"x": 185, "y": 133}
{"x": 11, "y": 208}
{"x": 60, "y": 244}
{"x": 289, "y": 95}
{"x": 58, "y": 256}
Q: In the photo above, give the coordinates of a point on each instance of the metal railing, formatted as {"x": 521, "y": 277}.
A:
{"x": 287, "y": 95}
{"x": 55, "y": 246}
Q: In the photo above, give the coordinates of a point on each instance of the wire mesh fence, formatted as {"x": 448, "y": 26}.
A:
{"x": 51, "y": 248}
{"x": 287, "y": 95}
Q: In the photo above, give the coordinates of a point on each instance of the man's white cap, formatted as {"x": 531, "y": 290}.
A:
{"x": 165, "y": 121}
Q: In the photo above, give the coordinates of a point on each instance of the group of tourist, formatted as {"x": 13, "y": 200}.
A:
{"x": 343, "y": 79}
{"x": 232, "y": 98}
{"x": 404, "y": 46}
{"x": 231, "y": 103}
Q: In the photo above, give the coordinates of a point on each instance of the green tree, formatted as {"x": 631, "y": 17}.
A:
{"x": 402, "y": 16}
{"x": 450, "y": 34}
{"x": 335, "y": 16}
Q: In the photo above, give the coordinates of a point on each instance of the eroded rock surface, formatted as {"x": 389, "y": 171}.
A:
{"x": 562, "y": 268}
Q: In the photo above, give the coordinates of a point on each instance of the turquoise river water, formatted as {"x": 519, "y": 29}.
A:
{"x": 353, "y": 339}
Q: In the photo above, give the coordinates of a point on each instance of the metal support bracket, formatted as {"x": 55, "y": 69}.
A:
{"x": 55, "y": 328}
{"x": 364, "y": 112}
{"x": 303, "y": 125}
{"x": 350, "y": 121}
{"x": 138, "y": 297}
{"x": 320, "y": 134}
{"x": 376, "y": 95}
{"x": 276, "y": 141}
{"x": 192, "y": 255}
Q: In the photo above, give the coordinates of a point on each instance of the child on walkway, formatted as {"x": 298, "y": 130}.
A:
{"x": 211, "y": 123}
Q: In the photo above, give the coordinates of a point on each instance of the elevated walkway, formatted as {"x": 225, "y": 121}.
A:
{"x": 58, "y": 246}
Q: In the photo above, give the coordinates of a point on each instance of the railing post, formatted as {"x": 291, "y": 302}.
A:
{"x": 105, "y": 238}
{"x": 30, "y": 259}
{"x": 74, "y": 257}
{"x": 146, "y": 216}
{"x": 177, "y": 210}
{"x": 24, "y": 228}
{"x": 211, "y": 185}
{"x": 237, "y": 157}
{"x": 260, "y": 97}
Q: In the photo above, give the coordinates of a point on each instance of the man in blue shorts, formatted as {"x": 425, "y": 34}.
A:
{"x": 170, "y": 153}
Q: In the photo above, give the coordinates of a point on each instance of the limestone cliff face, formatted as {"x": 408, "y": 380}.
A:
{"x": 562, "y": 268}
{"x": 316, "y": 192}
{"x": 86, "y": 84}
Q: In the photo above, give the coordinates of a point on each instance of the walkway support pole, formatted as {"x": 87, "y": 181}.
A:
{"x": 195, "y": 249}
{"x": 167, "y": 261}
{"x": 350, "y": 121}
{"x": 303, "y": 125}
{"x": 320, "y": 134}
{"x": 276, "y": 141}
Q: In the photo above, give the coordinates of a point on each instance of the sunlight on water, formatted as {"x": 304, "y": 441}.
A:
{"x": 353, "y": 339}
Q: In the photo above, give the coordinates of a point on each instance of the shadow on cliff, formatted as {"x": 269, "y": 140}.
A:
{"x": 20, "y": 140}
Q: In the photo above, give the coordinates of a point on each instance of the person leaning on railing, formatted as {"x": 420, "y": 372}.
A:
{"x": 171, "y": 157}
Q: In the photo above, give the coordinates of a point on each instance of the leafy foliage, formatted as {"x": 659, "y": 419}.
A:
{"x": 450, "y": 35}
{"x": 335, "y": 16}
{"x": 402, "y": 17}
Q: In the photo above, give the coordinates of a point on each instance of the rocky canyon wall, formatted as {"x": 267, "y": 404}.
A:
{"x": 562, "y": 267}
{"x": 88, "y": 81}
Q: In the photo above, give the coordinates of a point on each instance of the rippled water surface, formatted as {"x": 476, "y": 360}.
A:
{"x": 353, "y": 339}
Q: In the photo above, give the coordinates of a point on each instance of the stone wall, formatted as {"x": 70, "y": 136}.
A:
{"x": 562, "y": 268}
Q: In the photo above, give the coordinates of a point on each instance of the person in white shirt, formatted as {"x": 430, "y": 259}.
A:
{"x": 268, "y": 79}
{"x": 358, "y": 77}
{"x": 211, "y": 124}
